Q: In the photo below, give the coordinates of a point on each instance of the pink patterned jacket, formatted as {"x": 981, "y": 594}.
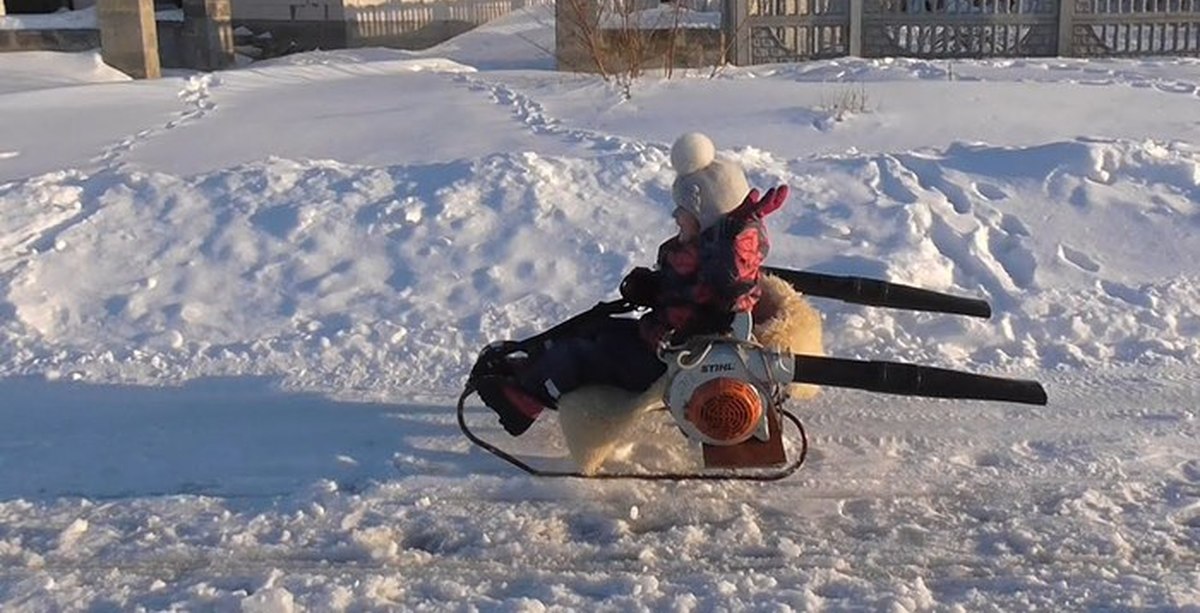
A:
{"x": 704, "y": 282}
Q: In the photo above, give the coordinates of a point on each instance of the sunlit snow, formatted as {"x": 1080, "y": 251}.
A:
{"x": 236, "y": 310}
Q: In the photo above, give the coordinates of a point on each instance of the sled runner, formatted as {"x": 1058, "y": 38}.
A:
{"x": 728, "y": 392}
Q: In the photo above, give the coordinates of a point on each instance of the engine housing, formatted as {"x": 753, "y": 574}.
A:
{"x": 721, "y": 390}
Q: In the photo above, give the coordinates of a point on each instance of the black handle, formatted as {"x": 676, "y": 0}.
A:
{"x": 913, "y": 380}
{"x": 873, "y": 292}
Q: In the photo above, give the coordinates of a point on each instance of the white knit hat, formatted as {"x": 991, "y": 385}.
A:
{"x": 706, "y": 187}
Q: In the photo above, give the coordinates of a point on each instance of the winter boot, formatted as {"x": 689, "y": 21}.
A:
{"x": 517, "y": 408}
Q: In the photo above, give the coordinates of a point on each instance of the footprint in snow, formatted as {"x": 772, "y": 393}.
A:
{"x": 1014, "y": 257}
{"x": 1077, "y": 258}
{"x": 895, "y": 181}
{"x": 1191, "y": 470}
{"x": 987, "y": 191}
{"x": 1126, "y": 293}
{"x": 1176, "y": 87}
{"x": 994, "y": 459}
{"x": 1189, "y": 516}
{"x": 1013, "y": 226}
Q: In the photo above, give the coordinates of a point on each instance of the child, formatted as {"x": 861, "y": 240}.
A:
{"x": 705, "y": 274}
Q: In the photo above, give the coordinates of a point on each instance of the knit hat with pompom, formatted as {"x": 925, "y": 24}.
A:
{"x": 706, "y": 187}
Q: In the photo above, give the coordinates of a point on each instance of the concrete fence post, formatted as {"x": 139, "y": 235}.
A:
{"x": 207, "y": 34}
{"x": 856, "y": 28}
{"x": 129, "y": 37}
{"x": 737, "y": 31}
{"x": 1066, "y": 19}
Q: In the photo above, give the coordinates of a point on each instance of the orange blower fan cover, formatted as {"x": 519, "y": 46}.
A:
{"x": 726, "y": 410}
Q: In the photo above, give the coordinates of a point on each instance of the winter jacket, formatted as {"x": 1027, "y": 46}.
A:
{"x": 702, "y": 283}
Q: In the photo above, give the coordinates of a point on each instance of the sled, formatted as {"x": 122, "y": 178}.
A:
{"x": 728, "y": 392}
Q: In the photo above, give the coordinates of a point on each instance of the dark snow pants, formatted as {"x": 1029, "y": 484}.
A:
{"x": 610, "y": 353}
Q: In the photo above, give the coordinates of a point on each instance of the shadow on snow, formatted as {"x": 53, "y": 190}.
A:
{"x": 236, "y": 437}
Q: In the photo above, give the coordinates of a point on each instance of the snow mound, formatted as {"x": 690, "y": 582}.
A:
{"x": 352, "y": 271}
{"x": 362, "y": 268}
{"x": 34, "y": 70}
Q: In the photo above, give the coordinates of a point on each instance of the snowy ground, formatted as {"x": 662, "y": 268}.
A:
{"x": 237, "y": 308}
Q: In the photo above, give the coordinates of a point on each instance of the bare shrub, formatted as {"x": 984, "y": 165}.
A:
{"x": 623, "y": 39}
{"x": 850, "y": 100}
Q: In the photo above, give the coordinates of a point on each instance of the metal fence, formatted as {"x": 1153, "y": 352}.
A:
{"x": 767, "y": 31}
{"x": 393, "y": 17}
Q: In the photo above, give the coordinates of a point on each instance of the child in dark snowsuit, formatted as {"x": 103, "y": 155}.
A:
{"x": 705, "y": 274}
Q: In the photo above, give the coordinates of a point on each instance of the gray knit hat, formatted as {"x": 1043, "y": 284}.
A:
{"x": 706, "y": 187}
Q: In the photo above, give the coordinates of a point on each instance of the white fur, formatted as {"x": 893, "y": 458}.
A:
{"x": 597, "y": 419}
{"x": 691, "y": 152}
{"x": 787, "y": 322}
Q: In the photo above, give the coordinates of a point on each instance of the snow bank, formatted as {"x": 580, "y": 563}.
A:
{"x": 336, "y": 275}
{"x": 33, "y": 70}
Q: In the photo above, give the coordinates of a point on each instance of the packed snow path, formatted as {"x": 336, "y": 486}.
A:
{"x": 1092, "y": 501}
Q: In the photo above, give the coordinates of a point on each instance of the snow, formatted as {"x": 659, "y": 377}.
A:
{"x": 236, "y": 311}
{"x": 83, "y": 19}
{"x": 35, "y": 70}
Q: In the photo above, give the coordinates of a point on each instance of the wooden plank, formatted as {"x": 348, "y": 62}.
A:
{"x": 752, "y": 453}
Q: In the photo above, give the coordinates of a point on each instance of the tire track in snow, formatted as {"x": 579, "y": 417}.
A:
{"x": 888, "y": 442}
{"x": 439, "y": 566}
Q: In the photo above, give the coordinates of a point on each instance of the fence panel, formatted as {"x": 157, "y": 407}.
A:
{"x": 1134, "y": 27}
{"x": 960, "y": 28}
{"x": 381, "y": 20}
{"x": 770, "y": 31}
